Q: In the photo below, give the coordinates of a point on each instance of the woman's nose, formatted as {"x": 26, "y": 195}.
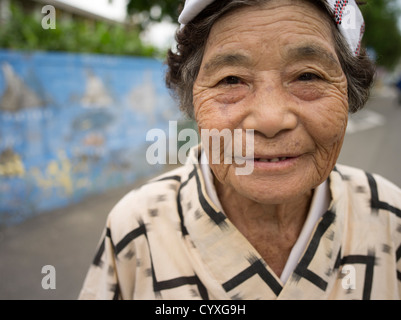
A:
{"x": 270, "y": 113}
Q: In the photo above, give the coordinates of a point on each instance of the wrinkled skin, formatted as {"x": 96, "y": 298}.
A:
{"x": 273, "y": 69}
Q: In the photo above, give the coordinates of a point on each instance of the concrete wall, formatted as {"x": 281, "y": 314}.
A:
{"x": 73, "y": 125}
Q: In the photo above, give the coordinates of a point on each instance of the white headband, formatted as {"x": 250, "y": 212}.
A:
{"x": 346, "y": 14}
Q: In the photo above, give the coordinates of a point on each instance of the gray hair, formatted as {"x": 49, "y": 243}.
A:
{"x": 184, "y": 64}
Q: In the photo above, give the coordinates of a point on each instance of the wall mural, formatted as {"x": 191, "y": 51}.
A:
{"x": 73, "y": 125}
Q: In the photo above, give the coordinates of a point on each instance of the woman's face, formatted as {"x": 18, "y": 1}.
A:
{"x": 274, "y": 69}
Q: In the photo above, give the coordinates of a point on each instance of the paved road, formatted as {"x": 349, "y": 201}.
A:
{"x": 66, "y": 238}
{"x": 374, "y": 141}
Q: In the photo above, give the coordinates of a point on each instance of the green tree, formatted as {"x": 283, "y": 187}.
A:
{"x": 23, "y": 31}
{"x": 155, "y": 10}
{"x": 382, "y": 33}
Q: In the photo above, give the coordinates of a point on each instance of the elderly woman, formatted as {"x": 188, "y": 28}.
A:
{"x": 298, "y": 226}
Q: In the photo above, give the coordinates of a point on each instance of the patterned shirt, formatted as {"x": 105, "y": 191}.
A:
{"x": 168, "y": 240}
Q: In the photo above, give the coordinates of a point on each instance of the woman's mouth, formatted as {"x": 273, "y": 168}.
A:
{"x": 277, "y": 159}
{"x": 276, "y": 163}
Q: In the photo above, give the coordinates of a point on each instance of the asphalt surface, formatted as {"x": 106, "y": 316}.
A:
{"x": 67, "y": 238}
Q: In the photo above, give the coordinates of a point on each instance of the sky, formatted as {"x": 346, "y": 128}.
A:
{"x": 160, "y": 34}
{"x": 114, "y": 9}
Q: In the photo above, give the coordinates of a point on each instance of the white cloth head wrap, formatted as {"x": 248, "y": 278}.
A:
{"x": 346, "y": 14}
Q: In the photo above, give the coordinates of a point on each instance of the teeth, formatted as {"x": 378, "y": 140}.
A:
{"x": 272, "y": 160}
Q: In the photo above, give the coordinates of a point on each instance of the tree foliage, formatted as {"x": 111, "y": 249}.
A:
{"x": 382, "y": 33}
{"x": 23, "y": 31}
{"x": 155, "y": 10}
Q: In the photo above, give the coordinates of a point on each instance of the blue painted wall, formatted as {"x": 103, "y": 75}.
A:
{"x": 73, "y": 125}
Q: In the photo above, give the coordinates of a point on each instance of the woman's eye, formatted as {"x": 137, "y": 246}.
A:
{"x": 307, "y": 76}
{"x": 231, "y": 80}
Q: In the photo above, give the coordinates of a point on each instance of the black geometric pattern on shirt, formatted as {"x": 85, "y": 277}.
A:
{"x": 165, "y": 284}
{"x": 375, "y": 202}
{"x": 153, "y": 212}
{"x": 172, "y": 186}
{"x": 340, "y": 173}
{"x": 338, "y": 260}
{"x": 398, "y": 258}
{"x": 197, "y": 214}
{"x": 130, "y": 236}
{"x": 116, "y": 289}
{"x": 176, "y": 178}
{"x": 161, "y": 197}
{"x": 257, "y": 267}
{"x": 184, "y": 230}
{"x": 302, "y": 271}
{"x": 360, "y": 189}
{"x": 386, "y": 248}
{"x": 97, "y": 261}
{"x": 369, "y": 260}
{"x": 217, "y": 216}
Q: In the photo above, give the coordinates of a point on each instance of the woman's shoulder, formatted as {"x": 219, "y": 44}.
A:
{"x": 374, "y": 189}
{"x": 375, "y": 184}
{"x": 373, "y": 211}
